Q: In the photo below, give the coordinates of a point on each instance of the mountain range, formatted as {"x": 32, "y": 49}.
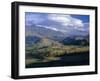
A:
{"x": 35, "y": 34}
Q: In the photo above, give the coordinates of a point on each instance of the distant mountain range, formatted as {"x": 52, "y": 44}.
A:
{"x": 36, "y": 34}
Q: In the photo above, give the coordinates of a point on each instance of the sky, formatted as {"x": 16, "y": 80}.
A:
{"x": 58, "y": 22}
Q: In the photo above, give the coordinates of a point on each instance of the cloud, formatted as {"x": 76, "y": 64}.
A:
{"x": 31, "y": 18}
{"x": 59, "y": 18}
{"x": 48, "y": 27}
{"x": 85, "y": 28}
{"x": 66, "y": 20}
{"x": 57, "y": 22}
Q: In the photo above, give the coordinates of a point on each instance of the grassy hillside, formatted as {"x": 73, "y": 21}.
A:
{"x": 48, "y": 50}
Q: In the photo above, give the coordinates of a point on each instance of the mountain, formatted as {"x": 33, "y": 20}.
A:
{"x": 30, "y": 40}
{"x": 76, "y": 40}
{"x": 44, "y": 32}
{"x": 36, "y": 34}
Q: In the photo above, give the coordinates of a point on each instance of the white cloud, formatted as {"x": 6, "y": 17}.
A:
{"x": 66, "y": 20}
{"x": 78, "y": 22}
{"x": 85, "y": 28}
{"x": 55, "y": 29}
{"x": 59, "y": 18}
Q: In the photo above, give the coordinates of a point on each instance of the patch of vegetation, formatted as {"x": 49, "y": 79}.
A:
{"x": 52, "y": 52}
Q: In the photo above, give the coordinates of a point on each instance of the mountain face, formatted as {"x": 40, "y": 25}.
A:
{"x": 76, "y": 40}
{"x": 30, "y": 40}
{"x": 44, "y": 33}
{"x": 36, "y": 34}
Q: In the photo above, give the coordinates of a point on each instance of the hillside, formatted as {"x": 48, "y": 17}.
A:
{"x": 46, "y": 50}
